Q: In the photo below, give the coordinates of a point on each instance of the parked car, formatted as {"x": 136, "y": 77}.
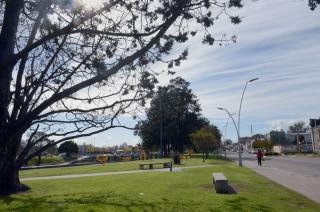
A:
{"x": 253, "y": 151}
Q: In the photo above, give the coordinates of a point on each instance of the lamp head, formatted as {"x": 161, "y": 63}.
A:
{"x": 253, "y": 79}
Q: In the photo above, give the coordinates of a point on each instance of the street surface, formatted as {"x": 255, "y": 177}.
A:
{"x": 299, "y": 173}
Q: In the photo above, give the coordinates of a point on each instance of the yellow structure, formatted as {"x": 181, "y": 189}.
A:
{"x": 125, "y": 159}
{"x": 102, "y": 158}
{"x": 142, "y": 154}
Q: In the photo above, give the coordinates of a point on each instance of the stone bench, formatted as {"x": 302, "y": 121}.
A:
{"x": 151, "y": 164}
{"x": 220, "y": 182}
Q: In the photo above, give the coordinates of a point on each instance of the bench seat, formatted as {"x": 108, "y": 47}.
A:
{"x": 165, "y": 165}
{"x": 220, "y": 182}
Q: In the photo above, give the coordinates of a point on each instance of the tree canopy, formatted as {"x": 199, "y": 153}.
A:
{"x": 206, "y": 139}
{"x": 68, "y": 147}
{"x": 262, "y": 144}
{"x": 298, "y": 127}
{"x": 176, "y": 110}
{"x": 313, "y": 4}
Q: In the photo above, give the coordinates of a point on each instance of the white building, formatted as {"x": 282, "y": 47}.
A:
{"x": 315, "y": 131}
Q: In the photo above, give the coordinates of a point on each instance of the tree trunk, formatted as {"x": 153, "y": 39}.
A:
{"x": 39, "y": 159}
{"x": 9, "y": 169}
{"x": 9, "y": 177}
{"x": 7, "y": 44}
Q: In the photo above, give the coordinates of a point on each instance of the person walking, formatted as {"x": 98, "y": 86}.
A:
{"x": 259, "y": 157}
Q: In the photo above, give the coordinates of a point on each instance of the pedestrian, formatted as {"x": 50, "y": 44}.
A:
{"x": 259, "y": 157}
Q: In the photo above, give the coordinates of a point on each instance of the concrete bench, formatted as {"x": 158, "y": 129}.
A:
{"x": 165, "y": 165}
{"x": 220, "y": 182}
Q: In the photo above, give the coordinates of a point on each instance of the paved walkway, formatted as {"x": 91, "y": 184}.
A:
{"x": 306, "y": 185}
{"x": 176, "y": 169}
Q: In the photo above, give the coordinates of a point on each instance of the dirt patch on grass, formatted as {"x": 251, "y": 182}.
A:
{"x": 210, "y": 188}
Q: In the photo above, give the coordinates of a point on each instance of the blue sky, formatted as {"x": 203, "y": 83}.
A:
{"x": 278, "y": 41}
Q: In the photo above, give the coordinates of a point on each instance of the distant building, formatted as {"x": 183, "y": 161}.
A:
{"x": 315, "y": 131}
{"x": 244, "y": 141}
{"x": 290, "y": 142}
{"x": 258, "y": 137}
{"x": 277, "y": 137}
{"x": 82, "y": 149}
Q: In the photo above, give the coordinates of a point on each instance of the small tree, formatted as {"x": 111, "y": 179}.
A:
{"x": 262, "y": 144}
{"x": 68, "y": 147}
{"x": 206, "y": 139}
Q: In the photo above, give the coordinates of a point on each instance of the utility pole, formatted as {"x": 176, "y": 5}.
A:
{"x": 251, "y": 137}
{"x": 251, "y": 131}
{"x": 312, "y": 133}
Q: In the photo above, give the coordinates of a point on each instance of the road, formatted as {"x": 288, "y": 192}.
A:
{"x": 301, "y": 174}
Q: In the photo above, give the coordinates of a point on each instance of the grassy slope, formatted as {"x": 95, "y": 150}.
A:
{"x": 46, "y": 160}
{"x": 190, "y": 190}
{"x": 110, "y": 167}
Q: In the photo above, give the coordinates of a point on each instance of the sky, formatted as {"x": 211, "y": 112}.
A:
{"x": 278, "y": 42}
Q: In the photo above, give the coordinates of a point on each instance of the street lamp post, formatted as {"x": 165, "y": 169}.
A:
{"x": 235, "y": 125}
{"x": 239, "y": 113}
{"x": 225, "y": 129}
{"x": 225, "y": 133}
{"x": 244, "y": 89}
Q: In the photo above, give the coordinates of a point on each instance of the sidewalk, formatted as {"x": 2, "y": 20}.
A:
{"x": 306, "y": 185}
{"x": 176, "y": 169}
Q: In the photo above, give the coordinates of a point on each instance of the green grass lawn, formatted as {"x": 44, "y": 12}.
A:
{"x": 189, "y": 190}
{"x": 108, "y": 167}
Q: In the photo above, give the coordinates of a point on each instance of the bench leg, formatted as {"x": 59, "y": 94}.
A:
{"x": 141, "y": 167}
{"x": 151, "y": 166}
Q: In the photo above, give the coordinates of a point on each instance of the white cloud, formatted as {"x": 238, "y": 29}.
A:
{"x": 278, "y": 41}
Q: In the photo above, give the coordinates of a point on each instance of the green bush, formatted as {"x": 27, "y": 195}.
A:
{"x": 46, "y": 160}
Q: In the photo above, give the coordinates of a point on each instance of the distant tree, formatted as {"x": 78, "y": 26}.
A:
{"x": 53, "y": 150}
{"x": 206, "y": 139}
{"x": 125, "y": 147}
{"x": 298, "y": 127}
{"x": 68, "y": 147}
{"x": 228, "y": 142}
{"x": 262, "y": 144}
{"x": 176, "y": 110}
{"x": 137, "y": 147}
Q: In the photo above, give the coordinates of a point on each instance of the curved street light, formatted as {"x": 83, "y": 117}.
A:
{"x": 244, "y": 89}
{"x": 226, "y": 127}
{"x": 237, "y": 130}
{"x": 239, "y": 113}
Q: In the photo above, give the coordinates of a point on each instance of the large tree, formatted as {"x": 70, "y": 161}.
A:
{"x": 69, "y": 71}
{"x": 175, "y": 111}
